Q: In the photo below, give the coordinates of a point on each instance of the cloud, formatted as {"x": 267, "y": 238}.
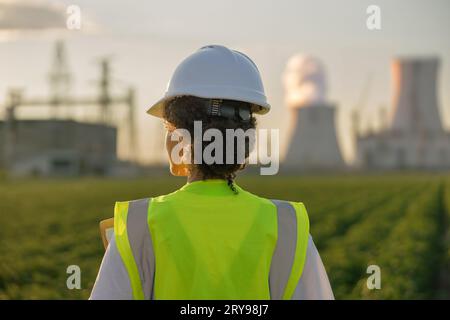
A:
{"x": 39, "y": 18}
{"x": 31, "y": 15}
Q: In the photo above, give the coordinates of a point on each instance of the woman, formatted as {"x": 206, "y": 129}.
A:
{"x": 211, "y": 239}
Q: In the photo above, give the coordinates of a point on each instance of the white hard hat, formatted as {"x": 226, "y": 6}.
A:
{"x": 216, "y": 72}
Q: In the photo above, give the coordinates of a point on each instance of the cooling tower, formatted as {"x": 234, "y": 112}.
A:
{"x": 312, "y": 131}
{"x": 415, "y": 107}
{"x": 313, "y": 143}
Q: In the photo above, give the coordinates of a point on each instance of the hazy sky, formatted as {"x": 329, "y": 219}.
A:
{"x": 147, "y": 39}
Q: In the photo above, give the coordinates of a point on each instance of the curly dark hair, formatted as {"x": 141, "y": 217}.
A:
{"x": 182, "y": 111}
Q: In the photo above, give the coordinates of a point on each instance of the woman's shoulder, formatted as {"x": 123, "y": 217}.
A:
{"x": 273, "y": 201}
{"x": 171, "y": 196}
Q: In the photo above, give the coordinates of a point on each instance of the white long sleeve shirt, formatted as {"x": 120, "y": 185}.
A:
{"x": 112, "y": 281}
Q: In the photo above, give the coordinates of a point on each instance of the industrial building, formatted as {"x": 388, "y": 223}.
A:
{"x": 57, "y": 147}
{"x": 414, "y": 136}
{"x": 63, "y": 146}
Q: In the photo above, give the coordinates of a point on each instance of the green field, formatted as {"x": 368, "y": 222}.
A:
{"x": 398, "y": 222}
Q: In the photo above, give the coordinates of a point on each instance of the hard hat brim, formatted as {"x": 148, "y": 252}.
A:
{"x": 157, "y": 110}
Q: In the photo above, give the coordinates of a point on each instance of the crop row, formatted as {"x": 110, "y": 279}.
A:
{"x": 347, "y": 256}
{"x": 409, "y": 258}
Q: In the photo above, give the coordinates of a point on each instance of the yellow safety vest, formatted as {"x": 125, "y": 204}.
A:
{"x": 205, "y": 242}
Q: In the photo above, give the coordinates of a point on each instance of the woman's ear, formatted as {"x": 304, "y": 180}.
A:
{"x": 177, "y": 168}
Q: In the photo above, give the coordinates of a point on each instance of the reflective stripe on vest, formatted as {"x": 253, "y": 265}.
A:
{"x": 135, "y": 246}
{"x": 290, "y": 250}
{"x": 134, "y": 243}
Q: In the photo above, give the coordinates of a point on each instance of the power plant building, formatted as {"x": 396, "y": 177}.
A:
{"x": 61, "y": 146}
{"x": 57, "y": 147}
{"x": 414, "y": 137}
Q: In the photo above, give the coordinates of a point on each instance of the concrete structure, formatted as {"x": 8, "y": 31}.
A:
{"x": 313, "y": 143}
{"x": 57, "y": 147}
{"x": 414, "y": 137}
{"x": 67, "y": 147}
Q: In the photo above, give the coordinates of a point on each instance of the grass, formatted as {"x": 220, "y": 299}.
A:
{"x": 398, "y": 222}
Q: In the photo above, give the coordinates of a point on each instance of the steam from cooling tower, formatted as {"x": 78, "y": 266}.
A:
{"x": 304, "y": 82}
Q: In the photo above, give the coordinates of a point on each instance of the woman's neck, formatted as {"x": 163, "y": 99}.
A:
{"x": 194, "y": 176}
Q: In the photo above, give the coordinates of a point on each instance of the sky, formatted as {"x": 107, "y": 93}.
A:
{"x": 145, "y": 41}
